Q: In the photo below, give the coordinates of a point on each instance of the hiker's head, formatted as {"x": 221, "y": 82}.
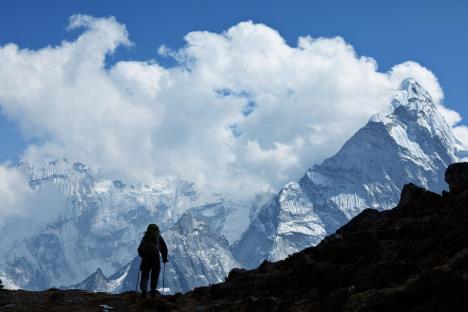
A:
{"x": 152, "y": 229}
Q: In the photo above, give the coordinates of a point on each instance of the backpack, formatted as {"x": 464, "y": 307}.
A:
{"x": 149, "y": 246}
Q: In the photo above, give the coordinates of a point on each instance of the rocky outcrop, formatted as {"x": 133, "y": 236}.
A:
{"x": 411, "y": 195}
{"x": 457, "y": 177}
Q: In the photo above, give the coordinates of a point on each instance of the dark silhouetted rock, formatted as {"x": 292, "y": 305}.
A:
{"x": 361, "y": 222}
{"x": 235, "y": 272}
{"x": 457, "y": 177}
{"x": 413, "y": 195}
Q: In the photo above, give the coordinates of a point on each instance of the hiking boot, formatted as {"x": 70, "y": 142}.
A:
{"x": 143, "y": 294}
{"x": 154, "y": 293}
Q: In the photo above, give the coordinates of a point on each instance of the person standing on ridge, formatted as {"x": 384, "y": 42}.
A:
{"x": 150, "y": 246}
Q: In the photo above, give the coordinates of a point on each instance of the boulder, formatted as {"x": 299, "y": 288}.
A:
{"x": 457, "y": 177}
{"x": 234, "y": 273}
{"x": 410, "y": 195}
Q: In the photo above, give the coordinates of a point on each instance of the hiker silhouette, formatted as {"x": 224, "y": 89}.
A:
{"x": 150, "y": 246}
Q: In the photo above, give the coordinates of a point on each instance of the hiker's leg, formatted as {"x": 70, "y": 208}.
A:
{"x": 154, "y": 276}
{"x": 145, "y": 271}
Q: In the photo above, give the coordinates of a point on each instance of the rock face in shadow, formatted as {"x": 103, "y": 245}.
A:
{"x": 410, "y": 258}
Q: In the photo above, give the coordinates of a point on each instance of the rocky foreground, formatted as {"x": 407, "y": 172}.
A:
{"x": 411, "y": 258}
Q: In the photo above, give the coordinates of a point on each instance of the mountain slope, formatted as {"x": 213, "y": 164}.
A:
{"x": 100, "y": 225}
{"x": 410, "y": 142}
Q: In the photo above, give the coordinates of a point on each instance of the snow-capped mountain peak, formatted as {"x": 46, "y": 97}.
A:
{"x": 408, "y": 142}
{"x": 414, "y": 120}
{"x": 410, "y": 97}
{"x": 413, "y": 91}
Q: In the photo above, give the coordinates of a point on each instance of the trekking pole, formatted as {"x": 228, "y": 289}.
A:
{"x": 164, "y": 275}
{"x": 138, "y": 278}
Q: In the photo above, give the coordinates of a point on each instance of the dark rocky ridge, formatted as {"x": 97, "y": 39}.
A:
{"x": 411, "y": 258}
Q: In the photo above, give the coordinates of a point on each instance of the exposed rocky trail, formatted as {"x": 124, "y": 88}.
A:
{"x": 411, "y": 258}
{"x": 76, "y": 300}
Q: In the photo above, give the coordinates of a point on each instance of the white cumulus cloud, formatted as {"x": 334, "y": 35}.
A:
{"x": 461, "y": 132}
{"x": 240, "y": 112}
{"x": 18, "y": 199}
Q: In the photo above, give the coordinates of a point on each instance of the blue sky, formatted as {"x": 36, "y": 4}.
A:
{"x": 432, "y": 33}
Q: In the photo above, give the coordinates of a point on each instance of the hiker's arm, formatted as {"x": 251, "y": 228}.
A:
{"x": 163, "y": 248}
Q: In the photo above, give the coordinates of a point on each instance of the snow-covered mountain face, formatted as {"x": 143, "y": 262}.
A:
{"x": 100, "y": 227}
{"x": 409, "y": 142}
{"x": 199, "y": 256}
{"x": 199, "y": 250}
{"x": 98, "y": 282}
